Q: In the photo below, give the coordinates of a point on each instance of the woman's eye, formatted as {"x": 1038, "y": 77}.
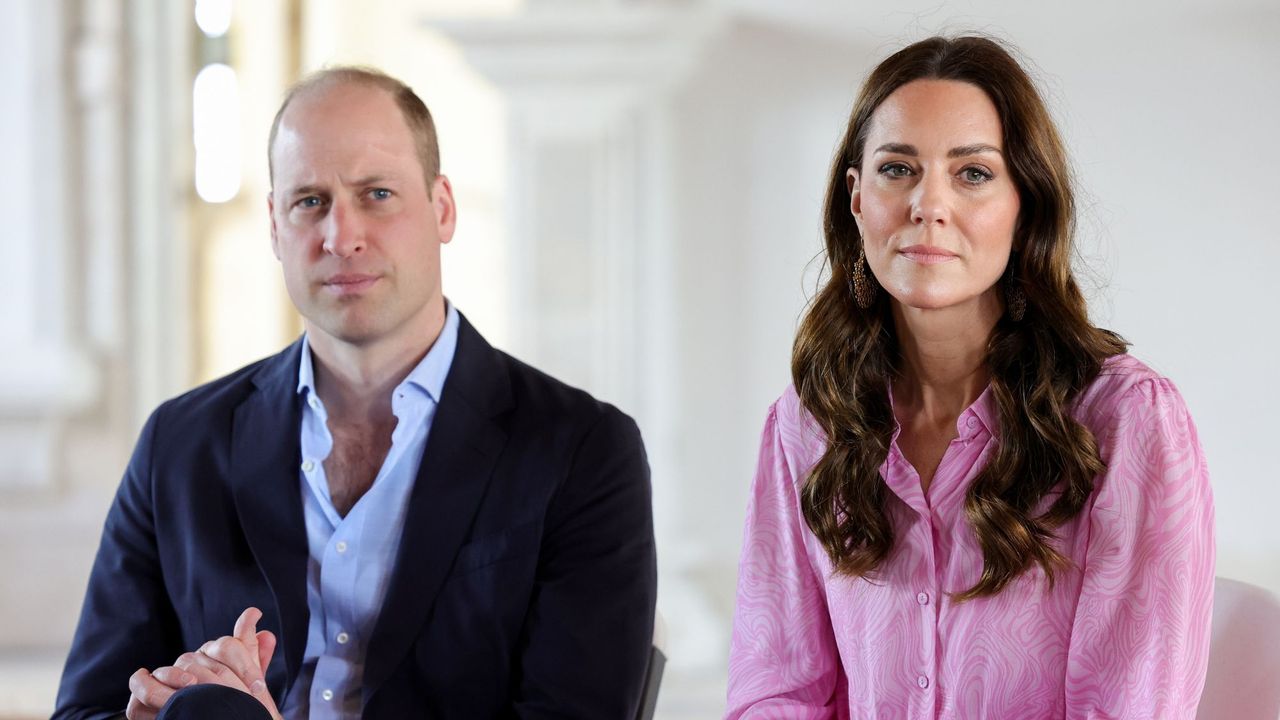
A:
{"x": 895, "y": 170}
{"x": 975, "y": 176}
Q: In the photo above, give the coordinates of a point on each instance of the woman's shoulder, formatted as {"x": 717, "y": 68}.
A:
{"x": 1118, "y": 374}
{"x": 797, "y": 429}
{"x": 1123, "y": 381}
{"x": 788, "y": 408}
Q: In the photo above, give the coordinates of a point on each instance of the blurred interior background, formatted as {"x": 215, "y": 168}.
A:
{"x": 639, "y": 185}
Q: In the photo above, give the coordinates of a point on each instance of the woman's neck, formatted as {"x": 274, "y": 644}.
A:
{"x": 943, "y": 358}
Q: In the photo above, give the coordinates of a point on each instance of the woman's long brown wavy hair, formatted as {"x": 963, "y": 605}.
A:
{"x": 845, "y": 357}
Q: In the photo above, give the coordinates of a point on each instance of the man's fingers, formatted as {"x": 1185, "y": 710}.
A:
{"x": 207, "y": 670}
{"x": 246, "y": 630}
{"x": 150, "y": 693}
{"x": 137, "y": 711}
{"x": 174, "y": 677}
{"x": 259, "y": 690}
{"x": 266, "y": 649}
{"x": 232, "y": 652}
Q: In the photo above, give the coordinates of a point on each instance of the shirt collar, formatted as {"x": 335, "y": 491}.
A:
{"x": 983, "y": 410}
{"x": 430, "y": 372}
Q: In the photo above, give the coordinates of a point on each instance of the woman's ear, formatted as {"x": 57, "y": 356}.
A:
{"x": 853, "y": 183}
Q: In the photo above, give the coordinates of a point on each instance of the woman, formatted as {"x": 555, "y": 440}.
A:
{"x": 971, "y": 503}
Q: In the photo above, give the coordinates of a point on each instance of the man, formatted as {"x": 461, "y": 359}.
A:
{"x": 420, "y": 525}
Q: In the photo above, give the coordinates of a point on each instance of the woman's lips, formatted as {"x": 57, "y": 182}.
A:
{"x": 927, "y": 255}
{"x": 349, "y": 283}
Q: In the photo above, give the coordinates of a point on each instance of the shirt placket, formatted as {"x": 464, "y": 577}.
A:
{"x": 927, "y": 586}
{"x": 338, "y": 573}
{"x": 946, "y": 503}
{"x": 921, "y": 594}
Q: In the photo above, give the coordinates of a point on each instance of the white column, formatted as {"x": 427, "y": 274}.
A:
{"x": 92, "y": 198}
{"x": 47, "y": 373}
{"x": 593, "y": 270}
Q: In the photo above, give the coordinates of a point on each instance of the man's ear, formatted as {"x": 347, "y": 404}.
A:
{"x": 271, "y": 213}
{"x": 852, "y": 181}
{"x": 445, "y": 209}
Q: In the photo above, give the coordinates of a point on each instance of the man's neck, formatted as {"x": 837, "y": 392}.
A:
{"x": 355, "y": 381}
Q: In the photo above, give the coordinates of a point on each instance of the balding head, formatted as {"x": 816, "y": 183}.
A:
{"x": 415, "y": 112}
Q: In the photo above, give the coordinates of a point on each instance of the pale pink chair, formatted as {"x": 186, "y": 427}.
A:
{"x": 1244, "y": 655}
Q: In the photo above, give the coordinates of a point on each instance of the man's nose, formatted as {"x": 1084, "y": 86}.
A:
{"x": 931, "y": 200}
{"x": 344, "y": 231}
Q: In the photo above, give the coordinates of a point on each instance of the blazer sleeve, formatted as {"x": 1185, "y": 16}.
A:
{"x": 1140, "y": 641}
{"x": 126, "y": 621}
{"x": 783, "y": 660}
{"x": 585, "y": 646}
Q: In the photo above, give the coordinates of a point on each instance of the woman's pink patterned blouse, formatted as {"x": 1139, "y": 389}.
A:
{"x": 1123, "y": 634}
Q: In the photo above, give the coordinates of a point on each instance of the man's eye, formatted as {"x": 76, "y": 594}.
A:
{"x": 895, "y": 170}
{"x": 380, "y": 194}
{"x": 309, "y": 202}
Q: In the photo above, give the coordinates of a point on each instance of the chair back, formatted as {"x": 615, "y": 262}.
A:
{"x": 1244, "y": 655}
{"x": 653, "y": 674}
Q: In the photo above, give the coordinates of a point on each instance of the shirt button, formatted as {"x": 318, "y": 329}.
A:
{"x": 340, "y": 546}
{"x": 922, "y": 681}
{"x": 923, "y": 598}
{"x": 308, "y": 466}
{"x": 313, "y": 402}
{"x": 973, "y": 422}
{"x": 328, "y": 695}
{"x": 343, "y": 638}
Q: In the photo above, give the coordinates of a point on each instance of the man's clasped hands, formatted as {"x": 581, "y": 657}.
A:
{"x": 238, "y": 661}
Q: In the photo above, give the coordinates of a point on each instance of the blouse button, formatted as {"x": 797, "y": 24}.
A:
{"x": 343, "y": 638}
{"x": 327, "y": 695}
{"x": 922, "y": 681}
{"x": 923, "y": 598}
{"x": 973, "y": 422}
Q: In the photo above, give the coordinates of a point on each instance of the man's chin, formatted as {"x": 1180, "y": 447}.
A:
{"x": 359, "y": 332}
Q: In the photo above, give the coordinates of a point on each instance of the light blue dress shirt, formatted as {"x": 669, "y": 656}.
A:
{"x": 352, "y": 557}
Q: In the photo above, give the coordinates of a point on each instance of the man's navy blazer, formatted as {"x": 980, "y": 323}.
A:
{"x": 524, "y": 584}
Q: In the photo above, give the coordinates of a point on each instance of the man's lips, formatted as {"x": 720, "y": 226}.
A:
{"x": 347, "y": 283}
{"x": 927, "y": 254}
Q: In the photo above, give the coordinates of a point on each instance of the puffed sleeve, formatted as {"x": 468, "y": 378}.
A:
{"x": 783, "y": 660}
{"x": 1140, "y": 641}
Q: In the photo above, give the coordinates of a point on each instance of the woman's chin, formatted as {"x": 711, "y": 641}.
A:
{"x": 926, "y": 300}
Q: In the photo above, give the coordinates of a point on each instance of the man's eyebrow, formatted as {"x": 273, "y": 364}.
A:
{"x": 373, "y": 180}
{"x": 305, "y": 190}
{"x": 312, "y": 189}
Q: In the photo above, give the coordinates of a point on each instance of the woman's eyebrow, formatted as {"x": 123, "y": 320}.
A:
{"x": 975, "y": 149}
{"x": 898, "y": 149}
{"x": 962, "y": 151}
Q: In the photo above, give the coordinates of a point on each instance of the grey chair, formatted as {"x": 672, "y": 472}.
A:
{"x": 653, "y": 675}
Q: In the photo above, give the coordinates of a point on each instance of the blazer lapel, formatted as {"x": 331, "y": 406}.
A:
{"x": 264, "y": 477}
{"x": 461, "y": 452}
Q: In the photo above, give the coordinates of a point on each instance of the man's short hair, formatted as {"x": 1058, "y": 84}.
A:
{"x": 415, "y": 112}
